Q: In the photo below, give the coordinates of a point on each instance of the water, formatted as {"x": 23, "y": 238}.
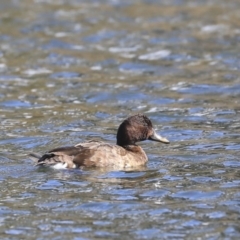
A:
{"x": 72, "y": 70}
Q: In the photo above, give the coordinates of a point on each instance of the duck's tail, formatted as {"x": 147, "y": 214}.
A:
{"x": 35, "y": 157}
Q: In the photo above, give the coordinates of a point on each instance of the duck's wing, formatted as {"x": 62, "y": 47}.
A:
{"x": 58, "y": 158}
{"x": 99, "y": 154}
{"x": 83, "y": 154}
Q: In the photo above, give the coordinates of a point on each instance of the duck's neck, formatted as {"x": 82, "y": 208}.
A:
{"x": 125, "y": 143}
{"x": 126, "y": 146}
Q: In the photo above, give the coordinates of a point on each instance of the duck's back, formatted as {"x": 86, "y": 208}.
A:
{"x": 94, "y": 154}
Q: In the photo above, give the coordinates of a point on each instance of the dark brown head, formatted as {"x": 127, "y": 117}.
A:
{"x": 135, "y": 129}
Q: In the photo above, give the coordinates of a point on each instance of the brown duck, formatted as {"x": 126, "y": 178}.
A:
{"x": 126, "y": 154}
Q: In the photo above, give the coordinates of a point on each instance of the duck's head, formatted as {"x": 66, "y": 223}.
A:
{"x": 135, "y": 129}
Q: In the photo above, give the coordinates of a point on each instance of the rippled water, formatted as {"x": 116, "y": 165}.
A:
{"x": 73, "y": 70}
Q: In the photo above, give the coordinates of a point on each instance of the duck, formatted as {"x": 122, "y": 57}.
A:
{"x": 124, "y": 154}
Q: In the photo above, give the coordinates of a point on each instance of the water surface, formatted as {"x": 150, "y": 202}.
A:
{"x": 72, "y": 70}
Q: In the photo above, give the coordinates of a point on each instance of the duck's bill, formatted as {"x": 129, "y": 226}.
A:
{"x": 158, "y": 138}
